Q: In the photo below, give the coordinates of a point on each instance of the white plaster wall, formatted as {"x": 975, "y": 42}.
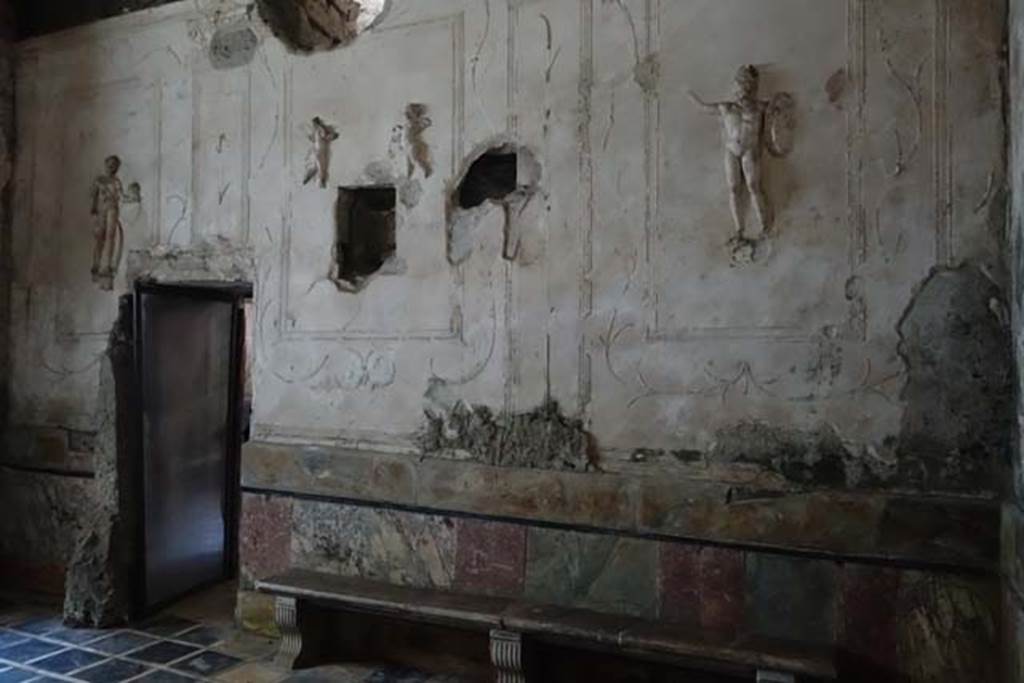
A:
{"x": 623, "y": 304}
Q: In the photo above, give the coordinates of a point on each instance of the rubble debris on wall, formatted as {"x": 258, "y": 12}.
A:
{"x": 543, "y": 438}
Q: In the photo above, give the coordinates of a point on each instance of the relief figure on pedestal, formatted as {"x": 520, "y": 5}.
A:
{"x": 318, "y": 164}
{"x": 749, "y": 126}
{"x": 107, "y": 197}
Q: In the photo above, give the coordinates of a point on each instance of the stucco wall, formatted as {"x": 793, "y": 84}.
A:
{"x": 626, "y": 368}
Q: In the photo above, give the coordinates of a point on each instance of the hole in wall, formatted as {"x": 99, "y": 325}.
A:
{"x": 501, "y": 174}
{"x": 492, "y": 176}
{"x": 306, "y": 26}
{"x": 366, "y": 237}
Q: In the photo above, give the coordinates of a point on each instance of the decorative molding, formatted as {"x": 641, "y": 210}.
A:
{"x": 856, "y": 27}
{"x": 286, "y": 617}
{"x": 451, "y": 330}
{"x": 585, "y": 201}
{"x": 507, "y": 656}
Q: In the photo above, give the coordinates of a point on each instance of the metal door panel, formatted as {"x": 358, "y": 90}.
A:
{"x": 186, "y": 381}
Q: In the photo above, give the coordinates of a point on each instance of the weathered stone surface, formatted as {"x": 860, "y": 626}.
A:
{"x": 102, "y": 571}
{"x": 939, "y": 530}
{"x": 592, "y": 499}
{"x": 959, "y": 413}
{"x": 791, "y": 598}
{"x": 1012, "y": 637}
{"x": 95, "y": 591}
{"x": 604, "y": 573}
{"x": 49, "y": 447}
{"x": 1012, "y": 547}
{"x": 869, "y": 603}
{"x": 947, "y": 628}
{"x": 387, "y": 545}
{"x": 490, "y": 557}
{"x": 265, "y": 536}
{"x": 341, "y": 473}
{"x": 255, "y": 612}
{"x": 51, "y": 512}
{"x": 702, "y": 587}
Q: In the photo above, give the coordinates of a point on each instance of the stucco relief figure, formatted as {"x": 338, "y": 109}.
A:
{"x": 108, "y": 196}
{"x": 319, "y": 162}
{"x": 749, "y": 126}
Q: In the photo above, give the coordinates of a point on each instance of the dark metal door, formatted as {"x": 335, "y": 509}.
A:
{"x": 186, "y": 370}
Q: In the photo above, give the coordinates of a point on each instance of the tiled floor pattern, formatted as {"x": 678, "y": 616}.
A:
{"x": 35, "y": 646}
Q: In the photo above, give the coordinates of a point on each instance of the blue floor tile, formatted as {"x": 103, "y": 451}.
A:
{"x": 29, "y": 650}
{"x": 38, "y": 626}
{"x": 163, "y": 652}
{"x": 69, "y": 660}
{"x": 121, "y": 643}
{"x": 16, "y": 675}
{"x": 113, "y": 671}
{"x": 10, "y": 638}
{"x": 79, "y": 636}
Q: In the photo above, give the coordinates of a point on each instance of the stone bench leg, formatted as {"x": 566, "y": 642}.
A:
{"x": 507, "y": 656}
{"x": 286, "y": 615}
{"x": 775, "y": 677}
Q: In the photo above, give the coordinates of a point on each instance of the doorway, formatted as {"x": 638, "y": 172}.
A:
{"x": 190, "y": 350}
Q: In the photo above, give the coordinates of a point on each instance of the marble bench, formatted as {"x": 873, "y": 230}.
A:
{"x": 510, "y": 622}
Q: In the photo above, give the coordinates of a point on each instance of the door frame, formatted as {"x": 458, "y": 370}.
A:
{"x": 235, "y": 293}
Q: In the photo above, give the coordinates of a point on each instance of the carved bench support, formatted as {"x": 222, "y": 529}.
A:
{"x": 507, "y": 656}
{"x": 286, "y": 617}
{"x": 775, "y": 677}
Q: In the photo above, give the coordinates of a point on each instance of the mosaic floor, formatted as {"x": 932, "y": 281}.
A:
{"x": 35, "y": 646}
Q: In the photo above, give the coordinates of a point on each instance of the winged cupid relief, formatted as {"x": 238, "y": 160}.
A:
{"x": 750, "y": 126}
{"x": 318, "y": 163}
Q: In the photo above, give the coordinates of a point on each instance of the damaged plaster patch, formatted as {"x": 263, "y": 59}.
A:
{"x": 810, "y": 458}
{"x": 310, "y": 25}
{"x": 647, "y": 73}
{"x": 233, "y": 46}
{"x": 499, "y": 174}
{"x": 543, "y": 438}
{"x": 958, "y": 404}
{"x": 98, "y": 586}
{"x": 959, "y": 415}
{"x": 219, "y": 261}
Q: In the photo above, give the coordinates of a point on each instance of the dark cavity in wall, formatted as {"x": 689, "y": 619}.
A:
{"x": 543, "y": 438}
{"x": 499, "y": 174}
{"x": 493, "y": 176}
{"x": 310, "y": 25}
{"x": 366, "y": 237}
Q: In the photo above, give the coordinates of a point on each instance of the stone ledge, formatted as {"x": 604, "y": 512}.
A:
{"x": 953, "y": 533}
